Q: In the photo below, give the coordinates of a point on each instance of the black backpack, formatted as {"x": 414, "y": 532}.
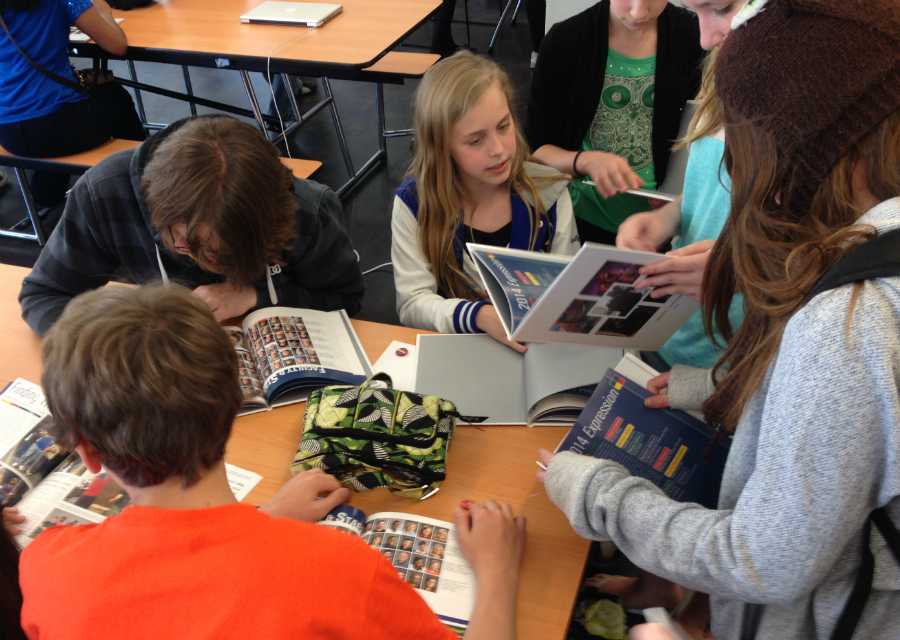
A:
{"x": 876, "y": 258}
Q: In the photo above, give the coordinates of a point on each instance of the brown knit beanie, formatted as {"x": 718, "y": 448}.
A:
{"x": 818, "y": 75}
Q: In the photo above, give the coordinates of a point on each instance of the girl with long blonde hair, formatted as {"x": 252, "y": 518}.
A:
{"x": 800, "y": 545}
{"x": 470, "y": 181}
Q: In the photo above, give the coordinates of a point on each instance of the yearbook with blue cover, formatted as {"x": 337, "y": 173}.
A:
{"x": 680, "y": 454}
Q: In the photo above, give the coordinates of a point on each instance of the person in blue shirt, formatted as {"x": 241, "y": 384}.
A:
{"x": 40, "y": 115}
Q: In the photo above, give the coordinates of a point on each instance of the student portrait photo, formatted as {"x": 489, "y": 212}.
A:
{"x": 426, "y": 531}
{"x": 431, "y": 583}
{"x": 441, "y": 534}
{"x": 395, "y": 525}
{"x": 414, "y": 578}
{"x": 434, "y": 567}
{"x": 377, "y": 539}
{"x": 379, "y": 526}
{"x": 411, "y": 527}
{"x": 407, "y": 544}
{"x": 418, "y": 563}
{"x": 437, "y": 549}
{"x": 402, "y": 558}
{"x": 392, "y": 541}
{"x": 422, "y": 546}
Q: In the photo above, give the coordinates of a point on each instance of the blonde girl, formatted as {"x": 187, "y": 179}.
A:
{"x": 470, "y": 181}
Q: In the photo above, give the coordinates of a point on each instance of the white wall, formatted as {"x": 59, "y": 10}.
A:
{"x": 558, "y": 10}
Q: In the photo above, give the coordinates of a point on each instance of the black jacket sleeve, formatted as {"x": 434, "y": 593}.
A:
{"x": 568, "y": 79}
{"x": 322, "y": 271}
{"x": 74, "y": 260}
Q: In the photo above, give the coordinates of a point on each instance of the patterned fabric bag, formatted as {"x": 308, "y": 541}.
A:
{"x": 376, "y": 436}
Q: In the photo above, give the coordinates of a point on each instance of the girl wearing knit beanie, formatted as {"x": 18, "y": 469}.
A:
{"x": 811, "y": 384}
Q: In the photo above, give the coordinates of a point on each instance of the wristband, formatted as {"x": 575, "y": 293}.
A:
{"x": 575, "y": 172}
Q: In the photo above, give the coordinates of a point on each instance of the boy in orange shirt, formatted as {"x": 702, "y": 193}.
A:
{"x": 143, "y": 381}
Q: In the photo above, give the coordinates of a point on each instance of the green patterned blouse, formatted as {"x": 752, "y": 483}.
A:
{"x": 622, "y": 125}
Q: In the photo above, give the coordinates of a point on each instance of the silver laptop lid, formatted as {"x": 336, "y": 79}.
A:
{"x": 311, "y": 14}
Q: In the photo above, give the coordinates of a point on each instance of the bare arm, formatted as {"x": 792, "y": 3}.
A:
{"x": 99, "y": 24}
{"x": 648, "y": 230}
{"x": 492, "y": 540}
{"x": 611, "y": 173}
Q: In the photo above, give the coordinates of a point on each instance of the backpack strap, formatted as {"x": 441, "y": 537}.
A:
{"x": 71, "y": 84}
{"x": 853, "y": 610}
{"x": 875, "y": 258}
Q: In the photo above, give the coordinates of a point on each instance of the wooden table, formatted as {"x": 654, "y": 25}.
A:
{"x": 484, "y": 462}
{"x": 209, "y": 33}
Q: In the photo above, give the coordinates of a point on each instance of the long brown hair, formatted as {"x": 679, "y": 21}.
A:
{"x": 774, "y": 256}
{"x": 447, "y": 91}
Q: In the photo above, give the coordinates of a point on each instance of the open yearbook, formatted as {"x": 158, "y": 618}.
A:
{"x": 680, "y": 454}
{"x": 285, "y": 353}
{"x": 492, "y": 384}
{"x": 424, "y": 552}
{"x": 51, "y": 486}
{"x": 586, "y": 299}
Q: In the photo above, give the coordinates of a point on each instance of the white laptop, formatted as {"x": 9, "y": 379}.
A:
{"x": 310, "y": 14}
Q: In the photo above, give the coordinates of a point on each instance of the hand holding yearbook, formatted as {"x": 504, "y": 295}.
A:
{"x": 50, "y": 485}
{"x": 423, "y": 551}
{"x": 285, "y": 353}
{"x": 587, "y": 299}
{"x": 680, "y": 454}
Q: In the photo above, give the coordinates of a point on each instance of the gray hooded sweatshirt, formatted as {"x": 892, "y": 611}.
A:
{"x": 816, "y": 450}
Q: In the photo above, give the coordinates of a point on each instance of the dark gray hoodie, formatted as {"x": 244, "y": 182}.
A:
{"x": 105, "y": 233}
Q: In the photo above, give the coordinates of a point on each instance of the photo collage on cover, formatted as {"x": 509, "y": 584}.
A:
{"x": 416, "y": 549}
{"x": 610, "y": 305}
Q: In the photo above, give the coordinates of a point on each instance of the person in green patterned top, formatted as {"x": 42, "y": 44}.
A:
{"x": 621, "y": 126}
{"x": 606, "y": 102}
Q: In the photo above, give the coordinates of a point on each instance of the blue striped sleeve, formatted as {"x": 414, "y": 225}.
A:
{"x": 464, "y": 316}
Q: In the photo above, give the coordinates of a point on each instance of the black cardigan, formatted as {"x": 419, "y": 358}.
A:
{"x": 571, "y": 68}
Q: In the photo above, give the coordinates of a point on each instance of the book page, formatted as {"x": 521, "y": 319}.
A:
{"x": 426, "y": 554}
{"x": 399, "y": 361}
{"x": 318, "y": 345}
{"x": 554, "y": 368}
{"x": 482, "y": 377}
{"x": 28, "y": 450}
{"x": 594, "y": 301}
{"x": 636, "y": 370}
{"x": 515, "y": 279}
{"x": 74, "y": 495}
{"x": 251, "y": 385}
